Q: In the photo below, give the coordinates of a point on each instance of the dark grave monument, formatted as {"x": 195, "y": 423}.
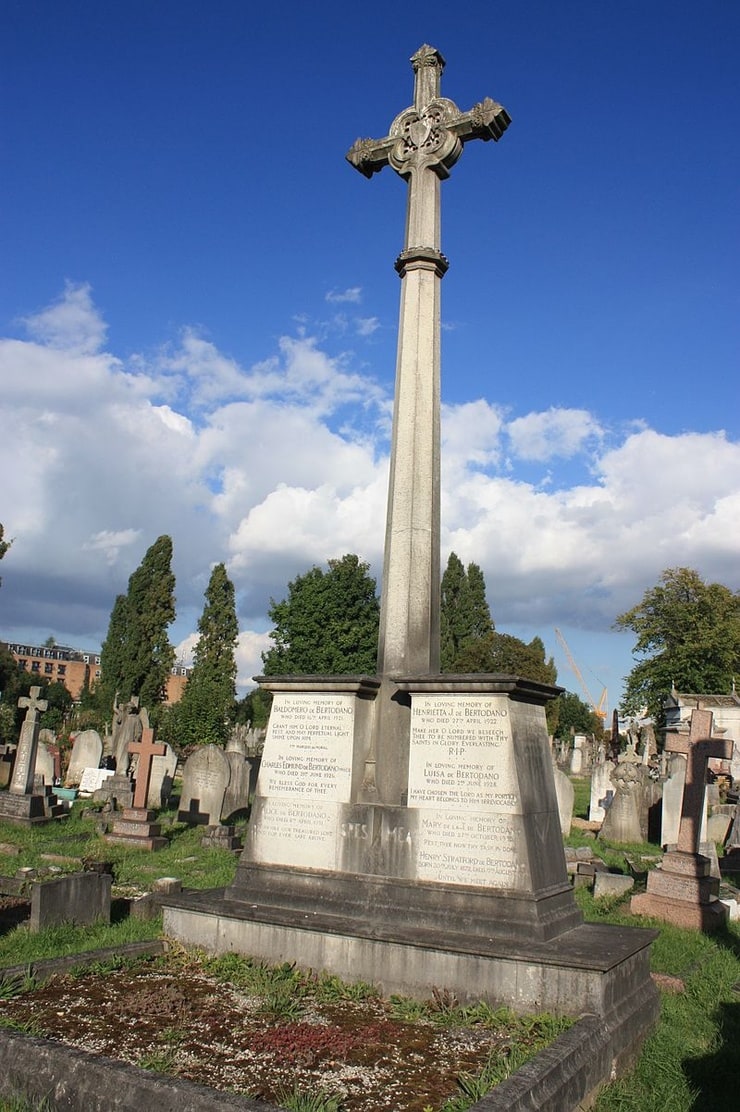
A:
{"x": 405, "y": 828}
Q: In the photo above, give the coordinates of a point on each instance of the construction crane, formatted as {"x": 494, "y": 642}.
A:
{"x": 598, "y": 708}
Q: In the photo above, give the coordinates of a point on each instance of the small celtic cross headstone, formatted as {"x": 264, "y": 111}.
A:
{"x": 697, "y": 747}
{"x": 25, "y": 760}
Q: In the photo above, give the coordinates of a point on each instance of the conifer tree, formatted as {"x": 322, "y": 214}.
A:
{"x": 204, "y": 713}
{"x": 464, "y": 614}
{"x": 136, "y": 657}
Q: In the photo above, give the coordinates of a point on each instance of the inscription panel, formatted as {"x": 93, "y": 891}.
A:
{"x": 295, "y": 832}
{"x": 463, "y": 780}
{"x": 308, "y": 749}
{"x": 305, "y": 777}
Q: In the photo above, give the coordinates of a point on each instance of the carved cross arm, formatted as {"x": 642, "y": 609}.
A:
{"x": 370, "y": 155}
{"x": 486, "y": 120}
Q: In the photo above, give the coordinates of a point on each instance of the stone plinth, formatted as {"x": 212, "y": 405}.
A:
{"x": 136, "y": 827}
{"x": 683, "y": 892}
{"x": 28, "y": 810}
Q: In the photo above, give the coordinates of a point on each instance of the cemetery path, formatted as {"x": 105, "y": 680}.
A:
{"x": 171, "y": 1014}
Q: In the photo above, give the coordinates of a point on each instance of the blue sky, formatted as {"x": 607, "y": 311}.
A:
{"x": 198, "y": 306}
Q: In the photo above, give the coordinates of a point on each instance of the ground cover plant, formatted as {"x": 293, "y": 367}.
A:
{"x": 690, "y": 1062}
{"x": 281, "y": 1035}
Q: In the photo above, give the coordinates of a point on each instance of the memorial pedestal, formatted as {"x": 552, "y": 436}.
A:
{"x": 463, "y": 886}
{"x": 31, "y": 808}
{"x": 135, "y": 827}
{"x": 683, "y": 892}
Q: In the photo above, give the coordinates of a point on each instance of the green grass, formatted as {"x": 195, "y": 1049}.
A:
{"x": 691, "y": 1061}
{"x": 20, "y": 946}
{"x": 76, "y": 837}
{"x": 581, "y": 796}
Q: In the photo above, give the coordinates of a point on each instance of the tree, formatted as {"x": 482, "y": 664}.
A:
{"x": 136, "y": 657}
{"x": 688, "y": 635}
{"x": 508, "y": 655}
{"x": 464, "y": 613}
{"x": 328, "y": 624}
{"x": 4, "y": 545}
{"x": 203, "y": 714}
{"x": 576, "y": 717}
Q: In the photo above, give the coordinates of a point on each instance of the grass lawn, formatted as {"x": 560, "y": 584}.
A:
{"x": 690, "y": 1062}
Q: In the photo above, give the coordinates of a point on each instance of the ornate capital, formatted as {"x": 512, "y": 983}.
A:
{"x": 427, "y": 56}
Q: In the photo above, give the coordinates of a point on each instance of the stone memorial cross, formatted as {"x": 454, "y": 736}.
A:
{"x": 25, "y": 759}
{"x": 697, "y": 747}
{"x": 146, "y": 749}
{"x": 424, "y": 142}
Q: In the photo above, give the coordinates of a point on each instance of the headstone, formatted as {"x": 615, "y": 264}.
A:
{"x": 82, "y": 898}
{"x": 236, "y": 798}
{"x": 161, "y": 779}
{"x": 672, "y": 801}
{"x": 7, "y": 758}
{"x": 682, "y": 890}
{"x": 577, "y": 760}
{"x": 87, "y": 749}
{"x": 602, "y": 790}
{"x": 27, "y": 800}
{"x": 145, "y": 750}
{"x": 92, "y": 780}
{"x": 44, "y": 768}
{"x": 565, "y": 793}
{"x": 204, "y": 782}
{"x": 405, "y": 828}
{"x": 622, "y": 821}
{"x": 25, "y": 759}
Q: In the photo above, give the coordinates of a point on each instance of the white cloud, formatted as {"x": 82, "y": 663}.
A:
{"x": 557, "y": 432}
{"x": 366, "y": 325}
{"x": 250, "y": 465}
{"x": 71, "y": 324}
{"x": 339, "y": 297}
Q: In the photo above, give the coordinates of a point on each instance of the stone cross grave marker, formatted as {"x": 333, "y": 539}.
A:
{"x": 697, "y": 747}
{"x": 423, "y": 143}
{"x": 25, "y": 760}
{"x": 146, "y": 749}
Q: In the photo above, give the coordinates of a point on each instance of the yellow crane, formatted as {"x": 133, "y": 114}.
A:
{"x": 598, "y": 708}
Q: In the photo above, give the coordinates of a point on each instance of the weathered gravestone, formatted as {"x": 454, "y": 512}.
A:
{"x": 622, "y": 819}
{"x": 24, "y": 802}
{"x": 602, "y": 790}
{"x": 80, "y": 899}
{"x": 405, "y": 828}
{"x": 681, "y": 890}
{"x": 161, "y": 778}
{"x": 565, "y": 793}
{"x": 93, "y": 779}
{"x": 236, "y": 798}
{"x": 87, "y": 749}
{"x": 44, "y": 767}
{"x": 205, "y": 779}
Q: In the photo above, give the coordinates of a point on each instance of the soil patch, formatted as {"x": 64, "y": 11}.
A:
{"x": 176, "y": 1015}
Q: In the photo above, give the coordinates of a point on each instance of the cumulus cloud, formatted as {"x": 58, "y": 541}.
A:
{"x": 71, "y": 324}
{"x": 557, "y": 432}
{"x": 279, "y": 465}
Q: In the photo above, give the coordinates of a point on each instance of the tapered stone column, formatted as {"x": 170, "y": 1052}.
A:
{"x": 424, "y": 142}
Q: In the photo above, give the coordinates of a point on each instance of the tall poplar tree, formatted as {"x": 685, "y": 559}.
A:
{"x": 136, "y": 657}
{"x": 465, "y": 617}
{"x": 4, "y": 545}
{"x": 206, "y": 710}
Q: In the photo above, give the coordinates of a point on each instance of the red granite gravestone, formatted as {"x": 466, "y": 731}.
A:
{"x": 682, "y": 890}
